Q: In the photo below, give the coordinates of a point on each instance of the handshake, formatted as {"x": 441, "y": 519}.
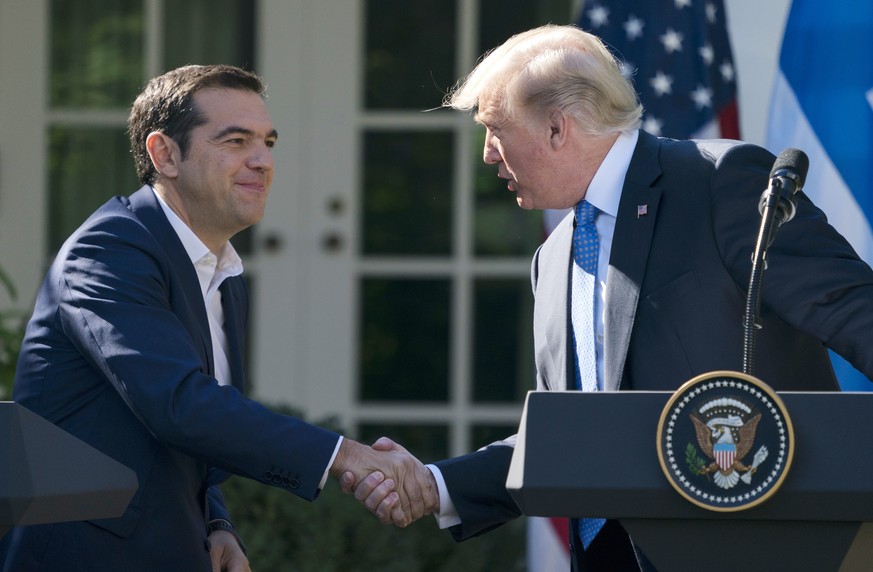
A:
{"x": 387, "y": 479}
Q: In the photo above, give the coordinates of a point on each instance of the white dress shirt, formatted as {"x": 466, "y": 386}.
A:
{"x": 211, "y": 270}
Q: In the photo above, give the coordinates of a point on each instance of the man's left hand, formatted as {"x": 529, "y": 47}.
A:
{"x": 226, "y": 554}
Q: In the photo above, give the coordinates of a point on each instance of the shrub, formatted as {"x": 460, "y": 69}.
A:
{"x": 12, "y": 323}
{"x": 336, "y": 534}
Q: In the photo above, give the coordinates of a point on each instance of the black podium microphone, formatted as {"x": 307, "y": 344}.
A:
{"x": 777, "y": 206}
{"x": 786, "y": 179}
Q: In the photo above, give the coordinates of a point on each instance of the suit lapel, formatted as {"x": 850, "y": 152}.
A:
{"x": 552, "y": 309}
{"x": 147, "y": 209}
{"x": 634, "y": 226}
{"x": 232, "y": 302}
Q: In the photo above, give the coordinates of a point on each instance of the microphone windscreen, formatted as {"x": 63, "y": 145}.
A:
{"x": 794, "y": 160}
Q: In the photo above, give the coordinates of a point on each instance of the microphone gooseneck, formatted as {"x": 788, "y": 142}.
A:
{"x": 777, "y": 206}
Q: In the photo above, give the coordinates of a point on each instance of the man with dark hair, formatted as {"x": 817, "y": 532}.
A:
{"x": 135, "y": 345}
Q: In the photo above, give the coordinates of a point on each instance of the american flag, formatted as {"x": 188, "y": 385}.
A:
{"x": 678, "y": 55}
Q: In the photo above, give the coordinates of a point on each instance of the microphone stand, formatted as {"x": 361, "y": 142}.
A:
{"x": 772, "y": 216}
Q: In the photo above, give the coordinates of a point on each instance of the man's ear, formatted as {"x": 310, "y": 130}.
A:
{"x": 164, "y": 153}
{"x": 559, "y": 123}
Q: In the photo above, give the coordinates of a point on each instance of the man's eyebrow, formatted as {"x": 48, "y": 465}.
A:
{"x": 243, "y": 131}
{"x": 483, "y": 117}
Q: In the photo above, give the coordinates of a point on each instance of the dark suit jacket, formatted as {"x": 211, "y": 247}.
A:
{"x": 675, "y": 296}
{"x": 118, "y": 353}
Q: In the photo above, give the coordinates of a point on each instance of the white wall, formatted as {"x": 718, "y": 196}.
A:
{"x": 755, "y": 28}
{"x": 22, "y": 146}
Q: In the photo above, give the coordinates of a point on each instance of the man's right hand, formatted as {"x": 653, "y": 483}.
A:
{"x": 388, "y": 480}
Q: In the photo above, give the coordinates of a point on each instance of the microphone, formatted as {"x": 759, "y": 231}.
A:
{"x": 786, "y": 179}
{"x": 777, "y": 206}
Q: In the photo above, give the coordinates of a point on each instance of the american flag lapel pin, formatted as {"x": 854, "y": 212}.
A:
{"x": 642, "y": 210}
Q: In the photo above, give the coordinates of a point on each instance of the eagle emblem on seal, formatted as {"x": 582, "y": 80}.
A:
{"x": 725, "y": 429}
{"x": 725, "y": 441}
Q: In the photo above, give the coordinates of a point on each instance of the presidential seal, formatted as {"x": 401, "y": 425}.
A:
{"x": 725, "y": 441}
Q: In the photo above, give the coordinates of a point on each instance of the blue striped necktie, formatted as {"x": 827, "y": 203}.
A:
{"x": 584, "y": 276}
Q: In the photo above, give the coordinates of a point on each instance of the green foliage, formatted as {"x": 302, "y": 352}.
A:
{"x": 12, "y": 324}
{"x": 336, "y": 534}
{"x": 695, "y": 462}
{"x": 284, "y": 533}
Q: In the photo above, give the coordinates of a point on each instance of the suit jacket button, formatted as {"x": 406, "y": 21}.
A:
{"x": 294, "y": 483}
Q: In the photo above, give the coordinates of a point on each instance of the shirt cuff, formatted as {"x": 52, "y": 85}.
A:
{"x": 448, "y": 514}
{"x": 330, "y": 463}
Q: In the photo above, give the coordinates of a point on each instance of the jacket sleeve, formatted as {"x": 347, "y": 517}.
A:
{"x": 120, "y": 304}
{"x": 814, "y": 280}
{"x": 477, "y": 484}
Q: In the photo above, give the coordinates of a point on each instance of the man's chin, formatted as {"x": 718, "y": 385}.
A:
{"x": 525, "y": 204}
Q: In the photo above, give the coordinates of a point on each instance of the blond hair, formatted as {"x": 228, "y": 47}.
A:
{"x": 552, "y": 68}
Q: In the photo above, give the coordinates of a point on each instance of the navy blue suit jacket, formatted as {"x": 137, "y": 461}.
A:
{"x": 118, "y": 353}
{"x": 675, "y": 296}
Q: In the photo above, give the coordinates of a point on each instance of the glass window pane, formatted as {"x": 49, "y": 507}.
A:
{"x": 501, "y": 227}
{"x": 427, "y": 442}
{"x": 503, "y": 367}
{"x": 482, "y": 435}
{"x": 96, "y": 53}
{"x": 407, "y": 200}
{"x": 209, "y": 32}
{"x": 404, "y": 340}
{"x": 87, "y": 167}
{"x": 410, "y": 53}
{"x": 500, "y": 19}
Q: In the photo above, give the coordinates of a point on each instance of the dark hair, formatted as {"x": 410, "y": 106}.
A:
{"x": 166, "y": 105}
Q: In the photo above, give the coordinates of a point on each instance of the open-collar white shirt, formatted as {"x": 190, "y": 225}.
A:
{"x": 212, "y": 270}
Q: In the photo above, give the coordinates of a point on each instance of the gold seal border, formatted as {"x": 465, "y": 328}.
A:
{"x": 702, "y": 378}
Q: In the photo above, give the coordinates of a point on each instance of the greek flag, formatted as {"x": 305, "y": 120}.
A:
{"x": 823, "y": 103}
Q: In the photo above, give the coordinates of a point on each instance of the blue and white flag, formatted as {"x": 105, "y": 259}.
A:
{"x": 823, "y": 104}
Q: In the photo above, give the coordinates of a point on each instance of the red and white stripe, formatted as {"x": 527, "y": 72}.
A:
{"x": 548, "y": 544}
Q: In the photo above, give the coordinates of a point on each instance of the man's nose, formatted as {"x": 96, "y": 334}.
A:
{"x": 262, "y": 158}
{"x": 490, "y": 154}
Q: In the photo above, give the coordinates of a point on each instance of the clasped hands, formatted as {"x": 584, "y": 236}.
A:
{"x": 387, "y": 479}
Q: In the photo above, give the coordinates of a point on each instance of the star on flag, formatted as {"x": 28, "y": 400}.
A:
{"x": 678, "y": 55}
